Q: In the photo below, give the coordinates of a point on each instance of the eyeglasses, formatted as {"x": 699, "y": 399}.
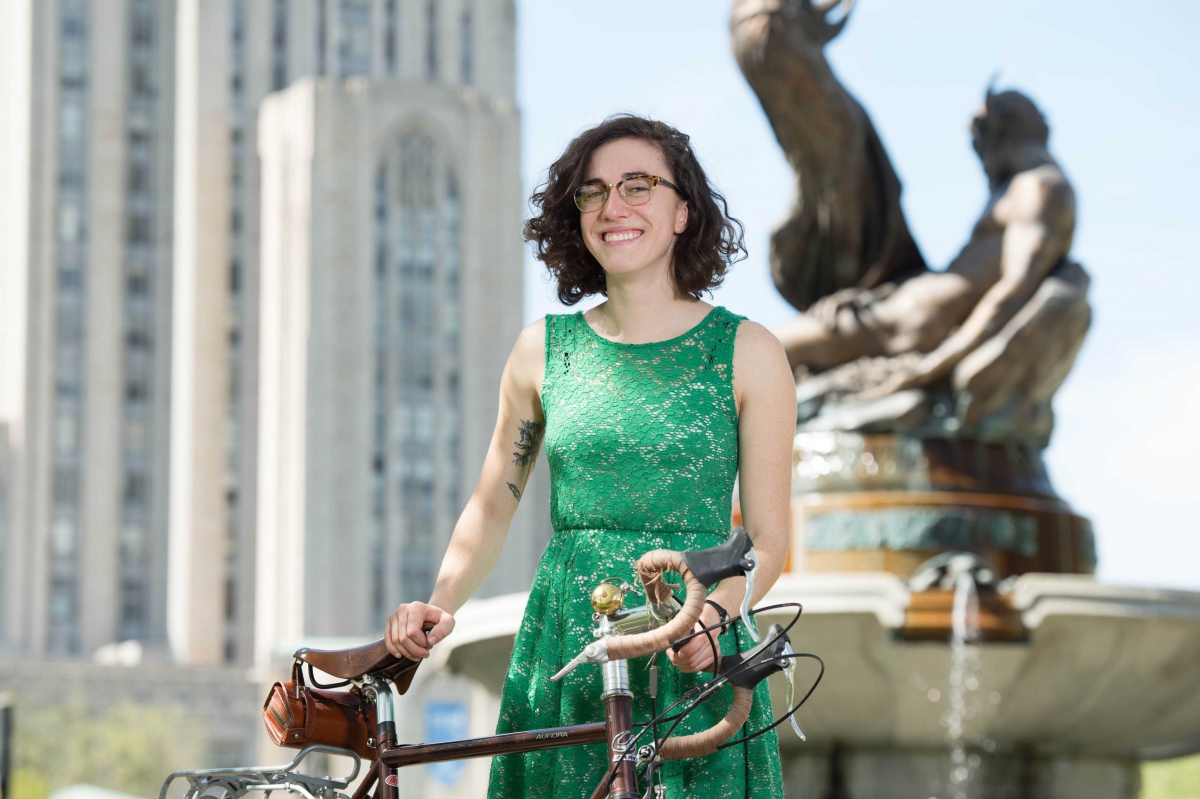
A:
{"x": 634, "y": 190}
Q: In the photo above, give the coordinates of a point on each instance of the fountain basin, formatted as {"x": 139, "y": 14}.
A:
{"x": 1102, "y": 678}
{"x": 1104, "y": 670}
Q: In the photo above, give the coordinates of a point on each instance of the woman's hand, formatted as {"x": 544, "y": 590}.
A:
{"x": 405, "y": 636}
{"x": 697, "y": 654}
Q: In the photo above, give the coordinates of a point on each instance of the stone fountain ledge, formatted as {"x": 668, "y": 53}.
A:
{"x": 1105, "y": 678}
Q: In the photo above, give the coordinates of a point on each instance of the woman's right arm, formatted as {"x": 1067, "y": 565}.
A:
{"x": 483, "y": 526}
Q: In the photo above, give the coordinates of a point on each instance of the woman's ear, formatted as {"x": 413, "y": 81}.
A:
{"x": 681, "y": 218}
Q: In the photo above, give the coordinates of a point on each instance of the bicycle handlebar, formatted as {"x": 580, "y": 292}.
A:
{"x": 706, "y": 742}
{"x": 746, "y": 670}
{"x": 650, "y": 568}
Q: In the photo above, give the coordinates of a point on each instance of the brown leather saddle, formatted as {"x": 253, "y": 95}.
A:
{"x": 350, "y": 664}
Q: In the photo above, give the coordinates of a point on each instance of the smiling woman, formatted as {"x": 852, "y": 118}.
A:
{"x": 703, "y": 252}
{"x": 650, "y": 405}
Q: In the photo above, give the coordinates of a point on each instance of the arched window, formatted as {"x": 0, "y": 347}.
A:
{"x": 415, "y": 457}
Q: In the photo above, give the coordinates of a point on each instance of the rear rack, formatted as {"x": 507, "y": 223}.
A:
{"x": 234, "y": 783}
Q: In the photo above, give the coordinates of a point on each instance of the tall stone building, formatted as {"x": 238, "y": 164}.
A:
{"x": 232, "y": 54}
{"x": 85, "y": 373}
{"x": 389, "y": 306}
{"x": 130, "y": 297}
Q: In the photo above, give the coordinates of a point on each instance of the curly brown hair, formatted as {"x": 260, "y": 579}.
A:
{"x": 703, "y": 253}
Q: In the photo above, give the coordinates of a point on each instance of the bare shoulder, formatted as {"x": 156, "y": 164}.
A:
{"x": 1041, "y": 194}
{"x": 760, "y": 364}
{"x": 527, "y": 363}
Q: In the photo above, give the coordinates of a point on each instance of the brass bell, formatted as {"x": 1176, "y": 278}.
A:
{"x": 607, "y": 599}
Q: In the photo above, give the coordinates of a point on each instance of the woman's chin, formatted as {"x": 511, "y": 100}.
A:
{"x": 621, "y": 268}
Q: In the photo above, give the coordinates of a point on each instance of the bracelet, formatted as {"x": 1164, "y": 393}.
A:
{"x": 721, "y": 610}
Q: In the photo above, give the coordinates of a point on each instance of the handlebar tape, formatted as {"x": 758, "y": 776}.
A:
{"x": 757, "y": 663}
{"x": 706, "y": 742}
{"x": 650, "y": 568}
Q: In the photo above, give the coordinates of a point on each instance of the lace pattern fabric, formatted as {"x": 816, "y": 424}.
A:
{"x": 641, "y": 441}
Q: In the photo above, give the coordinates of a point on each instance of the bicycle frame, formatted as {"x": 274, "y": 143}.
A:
{"x": 616, "y": 730}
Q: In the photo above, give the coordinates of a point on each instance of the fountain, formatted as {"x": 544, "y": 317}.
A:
{"x": 971, "y": 652}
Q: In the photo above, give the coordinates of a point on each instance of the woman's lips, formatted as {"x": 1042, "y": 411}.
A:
{"x": 616, "y": 236}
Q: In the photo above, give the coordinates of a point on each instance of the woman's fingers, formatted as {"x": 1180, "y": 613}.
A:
{"x": 398, "y": 636}
{"x": 404, "y": 632}
{"x": 696, "y": 654}
{"x": 415, "y": 636}
{"x": 388, "y": 637}
{"x": 443, "y": 625}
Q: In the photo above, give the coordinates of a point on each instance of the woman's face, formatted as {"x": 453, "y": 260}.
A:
{"x": 630, "y": 238}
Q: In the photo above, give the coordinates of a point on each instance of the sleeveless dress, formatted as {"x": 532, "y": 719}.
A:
{"x": 641, "y": 440}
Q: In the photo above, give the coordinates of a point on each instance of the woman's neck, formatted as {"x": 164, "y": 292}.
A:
{"x": 645, "y": 307}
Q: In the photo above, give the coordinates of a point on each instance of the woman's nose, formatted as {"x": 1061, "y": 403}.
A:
{"x": 614, "y": 206}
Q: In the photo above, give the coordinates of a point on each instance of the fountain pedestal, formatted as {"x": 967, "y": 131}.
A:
{"x": 889, "y": 502}
{"x": 1070, "y": 683}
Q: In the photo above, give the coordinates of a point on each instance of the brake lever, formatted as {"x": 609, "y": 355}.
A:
{"x": 745, "y": 610}
{"x": 790, "y": 674}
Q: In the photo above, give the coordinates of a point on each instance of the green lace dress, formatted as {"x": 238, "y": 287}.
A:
{"x": 641, "y": 441}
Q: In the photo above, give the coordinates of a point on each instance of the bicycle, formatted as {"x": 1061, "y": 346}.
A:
{"x": 621, "y": 634}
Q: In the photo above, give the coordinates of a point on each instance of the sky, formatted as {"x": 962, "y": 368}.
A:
{"x": 1119, "y": 83}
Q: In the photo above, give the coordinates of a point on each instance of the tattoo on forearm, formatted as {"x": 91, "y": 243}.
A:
{"x": 516, "y": 492}
{"x": 527, "y": 444}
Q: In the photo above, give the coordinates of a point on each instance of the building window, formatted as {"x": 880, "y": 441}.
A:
{"x": 391, "y": 37}
{"x": 451, "y": 337}
{"x": 239, "y": 154}
{"x": 381, "y": 403}
{"x": 431, "y": 38}
{"x": 139, "y": 228}
{"x": 142, "y": 260}
{"x": 62, "y": 634}
{"x": 466, "y": 48}
{"x": 415, "y": 349}
{"x": 279, "y": 44}
{"x": 416, "y": 455}
{"x": 354, "y": 28}
{"x": 322, "y": 34}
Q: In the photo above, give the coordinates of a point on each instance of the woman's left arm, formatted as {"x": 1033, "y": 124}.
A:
{"x": 766, "y": 397}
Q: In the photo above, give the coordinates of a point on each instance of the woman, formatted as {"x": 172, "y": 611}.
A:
{"x": 650, "y": 404}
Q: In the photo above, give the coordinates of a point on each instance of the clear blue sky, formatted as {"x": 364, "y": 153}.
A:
{"x": 1120, "y": 85}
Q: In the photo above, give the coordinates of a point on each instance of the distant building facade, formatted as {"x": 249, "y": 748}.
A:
{"x": 130, "y": 297}
{"x": 233, "y": 53}
{"x": 390, "y": 298}
{"x": 85, "y": 376}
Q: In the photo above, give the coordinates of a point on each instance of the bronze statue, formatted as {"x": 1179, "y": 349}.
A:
{"x": 883, "y": 343}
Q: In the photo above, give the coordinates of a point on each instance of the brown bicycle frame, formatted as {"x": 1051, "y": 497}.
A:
{"x": 616, "y": 726}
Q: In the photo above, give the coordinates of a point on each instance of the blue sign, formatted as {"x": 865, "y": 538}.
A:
{"x": 446, "y": 721}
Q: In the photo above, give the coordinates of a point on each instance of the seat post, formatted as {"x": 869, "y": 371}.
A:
{"x": 385, "y": 734}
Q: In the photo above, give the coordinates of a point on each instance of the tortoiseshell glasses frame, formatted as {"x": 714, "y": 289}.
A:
{"x": 634, "y": 190}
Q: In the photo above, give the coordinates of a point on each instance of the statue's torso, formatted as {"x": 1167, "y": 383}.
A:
{"x": 925, "y": 309}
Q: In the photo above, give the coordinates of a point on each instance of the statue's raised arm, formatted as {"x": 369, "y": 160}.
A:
{"x": 846, "y": 230}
